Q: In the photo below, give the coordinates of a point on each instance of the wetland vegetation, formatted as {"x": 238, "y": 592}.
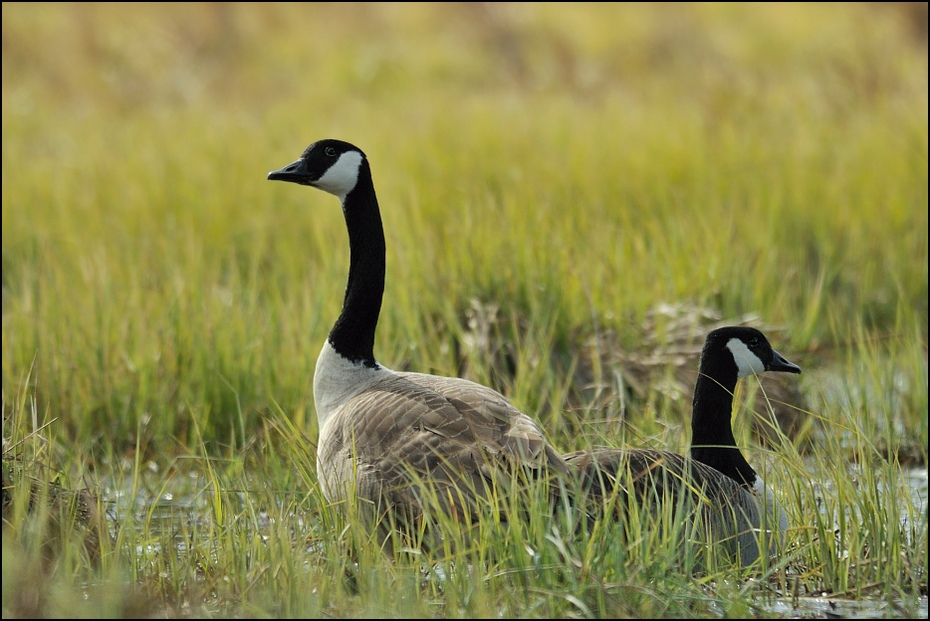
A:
{"x": 573, "y": 196}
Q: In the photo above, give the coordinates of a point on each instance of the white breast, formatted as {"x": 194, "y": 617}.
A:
{"x": 337, "y": 379}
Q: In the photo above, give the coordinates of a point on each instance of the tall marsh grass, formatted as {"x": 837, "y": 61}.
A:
{"x": 551, "y": 176}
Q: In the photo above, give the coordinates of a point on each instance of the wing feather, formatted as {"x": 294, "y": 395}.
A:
{"x": 410, "y": 431}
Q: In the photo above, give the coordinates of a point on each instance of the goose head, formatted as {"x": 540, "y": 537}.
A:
{"x": 748, "y": 350}
{"x": 330, "y": 165}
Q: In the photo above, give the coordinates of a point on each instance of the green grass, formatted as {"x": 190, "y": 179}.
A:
{"x": 573, "y": 167}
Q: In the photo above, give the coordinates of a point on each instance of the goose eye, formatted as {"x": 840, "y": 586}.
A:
{"x": 330, "y": 151}
{"x": 753, "y": 343}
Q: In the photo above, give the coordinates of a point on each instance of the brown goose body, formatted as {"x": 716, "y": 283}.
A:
{"x": 410, "y": 431}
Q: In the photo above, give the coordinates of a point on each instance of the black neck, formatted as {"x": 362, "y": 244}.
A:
{"x": 353, "y": 334}
{"x": 712, "y": 440}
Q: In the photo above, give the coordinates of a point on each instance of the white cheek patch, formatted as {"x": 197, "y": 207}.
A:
{"x": 747, "y": 363}
{"x": 342, "y": 176}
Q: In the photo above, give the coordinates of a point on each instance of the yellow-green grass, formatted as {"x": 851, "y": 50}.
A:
{"x": 574, "y": 165}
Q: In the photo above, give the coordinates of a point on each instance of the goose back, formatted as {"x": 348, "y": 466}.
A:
{"x": 454, "y": 435}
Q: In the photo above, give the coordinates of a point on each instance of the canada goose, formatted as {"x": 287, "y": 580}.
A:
{"x": 385, "y": 436}
{"x": 734, "y": 502}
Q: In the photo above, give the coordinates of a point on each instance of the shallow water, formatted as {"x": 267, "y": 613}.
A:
{"x": 826, "y": 607}
{"x": 916, "y": 479}
{"x": 832, "y": 608}
{"x": 186, "y": 509}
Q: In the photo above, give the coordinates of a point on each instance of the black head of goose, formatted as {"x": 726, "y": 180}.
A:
{"x": 734, "y": 502}
{"x": 384, "y": 435}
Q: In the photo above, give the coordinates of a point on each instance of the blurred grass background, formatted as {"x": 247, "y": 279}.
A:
{"x": 573, "y": 165}
{"x": 571, "y": 194}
